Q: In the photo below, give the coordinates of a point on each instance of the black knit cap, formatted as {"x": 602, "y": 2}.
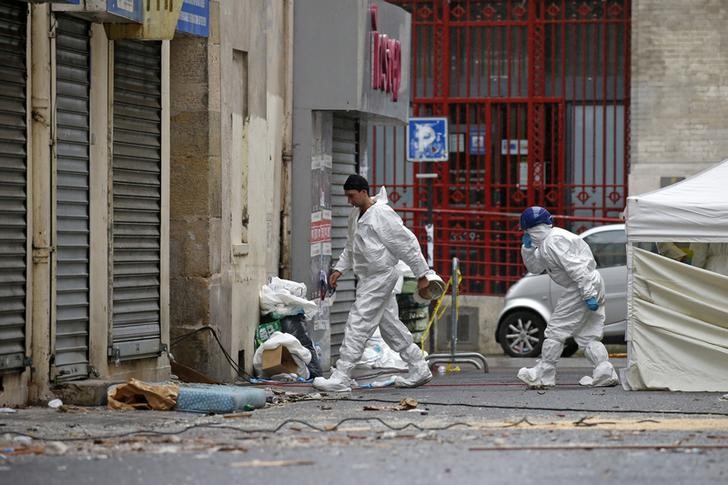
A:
{"x": 356, "y": 182}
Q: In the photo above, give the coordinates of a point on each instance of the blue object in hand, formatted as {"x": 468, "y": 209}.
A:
{"x": 592, "y": 304}
{"x": 526, "y": 241}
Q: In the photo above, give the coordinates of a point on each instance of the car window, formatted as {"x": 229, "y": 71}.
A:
{"x": 609, "y": 248}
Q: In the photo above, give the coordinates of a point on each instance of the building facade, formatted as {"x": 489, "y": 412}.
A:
{"x": 679, "y": 88}
{"x": 149, "y": 187}
{"x": 84, "y": 197}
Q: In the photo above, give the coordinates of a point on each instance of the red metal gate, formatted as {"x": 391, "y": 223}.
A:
{"x": 537, "y": 97}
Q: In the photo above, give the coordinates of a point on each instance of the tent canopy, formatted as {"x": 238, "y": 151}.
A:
{"x": 677, "y": 321}
{"x": 693, "y": 210}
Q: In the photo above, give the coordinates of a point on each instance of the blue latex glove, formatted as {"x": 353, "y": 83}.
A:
{"x": 527, "y": 243}
{"x": 592, "y": 304}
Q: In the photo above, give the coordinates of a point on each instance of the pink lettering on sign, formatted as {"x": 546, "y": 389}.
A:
{"x": 386, "y": 57}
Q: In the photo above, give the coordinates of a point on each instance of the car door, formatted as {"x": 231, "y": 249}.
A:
{"x": 610, "y": 252}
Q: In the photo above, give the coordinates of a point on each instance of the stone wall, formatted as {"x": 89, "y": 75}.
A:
{"x": 679, "y": 89}
{"x": 227, "y": 126}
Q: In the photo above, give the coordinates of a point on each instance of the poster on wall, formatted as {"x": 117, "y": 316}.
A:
{"x": 476, "y": 143}
{"x": 321, "y": 233}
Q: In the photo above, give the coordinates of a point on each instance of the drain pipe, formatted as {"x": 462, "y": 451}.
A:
{"x": 40, "y": 167}
{"x": 284, "y": 257}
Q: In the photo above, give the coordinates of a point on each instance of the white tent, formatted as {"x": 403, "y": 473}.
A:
{"x": 677, "y": 329}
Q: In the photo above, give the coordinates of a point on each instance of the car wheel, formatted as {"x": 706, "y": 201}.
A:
{"x": 521, "y": 334}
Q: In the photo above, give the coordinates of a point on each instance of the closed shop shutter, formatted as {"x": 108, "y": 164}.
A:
{"x": 344, "y": 158}
{"x": 72, "y": 198}
{"x": 136, "y": 200}
{"x": 13, "y": 183}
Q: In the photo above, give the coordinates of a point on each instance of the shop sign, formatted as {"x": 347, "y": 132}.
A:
{"x": 194, "y": 18}
{"x": 129, "y": 9}
{"x": 386, "y": 59}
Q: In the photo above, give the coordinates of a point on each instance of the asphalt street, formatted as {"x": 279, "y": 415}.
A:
{"x": 463, "y": 427}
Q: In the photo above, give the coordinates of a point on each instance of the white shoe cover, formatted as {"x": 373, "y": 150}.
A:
{"x": 338, "y": 382}
{"x": 604, "y": 375}
{"x": 537, "y": 377}
{"x": 419, "y": 374}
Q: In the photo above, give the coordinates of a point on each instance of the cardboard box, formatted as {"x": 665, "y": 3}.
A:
{"x": 278, "y": 361}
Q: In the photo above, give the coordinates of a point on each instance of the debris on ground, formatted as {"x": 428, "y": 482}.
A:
{"x": 405, "y": 404}
{"x": 281, "y": 397}
{"x": 270, "y": 463}
{"x": 136, "y": 394}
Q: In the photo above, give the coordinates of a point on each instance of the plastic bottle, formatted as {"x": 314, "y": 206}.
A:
{"x": 219, "y": 399}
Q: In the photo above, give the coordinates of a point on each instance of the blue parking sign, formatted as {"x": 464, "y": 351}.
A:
{"x": 427, "y": 140}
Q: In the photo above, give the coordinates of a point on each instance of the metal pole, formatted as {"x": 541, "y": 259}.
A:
{"x": 430, "y": 200}
{"x": 430, "y": 257}
{"x": 454, "y": 309}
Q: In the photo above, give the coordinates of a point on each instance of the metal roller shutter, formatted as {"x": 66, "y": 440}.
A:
{"x": 13, "y": 183}
{"x": 344, "y": 158}
{"x": 72, "y": 199}
{"x": 136, "y": 200}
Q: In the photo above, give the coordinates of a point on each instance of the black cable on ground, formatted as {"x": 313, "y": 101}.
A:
{"x": 541, "y": 408}
{"x": 233, "y": 428}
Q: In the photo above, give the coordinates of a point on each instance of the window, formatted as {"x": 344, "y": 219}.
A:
{"x": 609, "y": 248}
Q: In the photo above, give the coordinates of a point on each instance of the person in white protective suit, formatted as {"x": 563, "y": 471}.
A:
{"x": 711, "y": 256}
{"x": 377, "y": 241}
{"x": 580, "y": 310}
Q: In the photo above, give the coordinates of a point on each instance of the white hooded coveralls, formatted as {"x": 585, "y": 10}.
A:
{"x": 376, "y": 242}
{"x": 570, "y": 263}
{"x": 711, "y": 256}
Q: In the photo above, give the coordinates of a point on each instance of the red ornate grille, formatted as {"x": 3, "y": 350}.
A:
{"x": 537, "y": 97}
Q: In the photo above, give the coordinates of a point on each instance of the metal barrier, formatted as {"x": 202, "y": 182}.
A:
{"x": 474, "y": 358}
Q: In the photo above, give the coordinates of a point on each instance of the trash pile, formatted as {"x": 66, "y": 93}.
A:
{"x": 285, "y": 351}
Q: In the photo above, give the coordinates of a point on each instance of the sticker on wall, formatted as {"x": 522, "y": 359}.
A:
{"x": 477, "y": 142}
{"x": 321, "y": 233}
{"x": 457, "y": 142}
{"x": 514, "y": 147}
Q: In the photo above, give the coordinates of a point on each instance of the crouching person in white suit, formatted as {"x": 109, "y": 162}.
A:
{"x": 579, "y": 313}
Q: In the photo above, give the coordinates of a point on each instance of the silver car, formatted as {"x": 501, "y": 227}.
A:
{"x": 530, "y": 301}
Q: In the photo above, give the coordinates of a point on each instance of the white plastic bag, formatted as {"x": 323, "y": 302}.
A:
{"x": 292, "y": 287}
{"x": 283, "y": 297}
{"x": 378, "y": 355}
